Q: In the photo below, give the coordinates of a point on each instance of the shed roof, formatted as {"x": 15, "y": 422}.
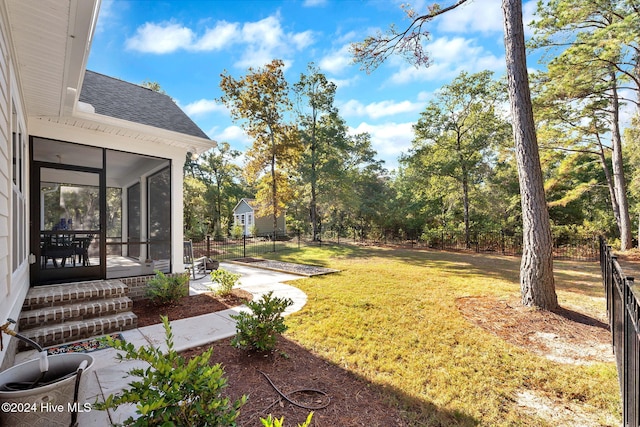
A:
{"x": 249, "y": 202}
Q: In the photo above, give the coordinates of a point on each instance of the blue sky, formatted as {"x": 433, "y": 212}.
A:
{"x": 185, "y": 45}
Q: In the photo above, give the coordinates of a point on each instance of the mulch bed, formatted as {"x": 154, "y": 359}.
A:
{"x": 567, "y": 334}
{"x": 353, "y": 401}
{"x": 193, "y": 305}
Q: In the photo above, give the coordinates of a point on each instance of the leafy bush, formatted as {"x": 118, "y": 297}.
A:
{"x": 164, "y": 289}
{"x": 259, "y": 329}
{"x": 237, "y": 231}
{"x": 226, "y": 280}
{"x": 173, "y": 390}
{"x": 274, "y": 422}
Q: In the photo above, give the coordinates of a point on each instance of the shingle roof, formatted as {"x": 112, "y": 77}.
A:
{"x": 122, "y": 100}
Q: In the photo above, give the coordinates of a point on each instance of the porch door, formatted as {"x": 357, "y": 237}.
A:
{"x": 67, "y": 223}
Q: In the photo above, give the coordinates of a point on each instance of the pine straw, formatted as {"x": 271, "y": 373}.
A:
{"x": 564, "y": 335}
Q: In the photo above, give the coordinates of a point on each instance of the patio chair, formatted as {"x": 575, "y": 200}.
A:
{"x": 55, "y": 247}
{"x": 81, "y": 248}
{"x": 193, "y": 265}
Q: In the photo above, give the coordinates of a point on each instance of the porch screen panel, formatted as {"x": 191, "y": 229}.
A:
{"x": 159, "y": 225}
{"x": 133, "y": 220}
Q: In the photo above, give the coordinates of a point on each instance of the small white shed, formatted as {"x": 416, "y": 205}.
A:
{"x": 244, "y": 214}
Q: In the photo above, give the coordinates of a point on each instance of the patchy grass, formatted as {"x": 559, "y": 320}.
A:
{"x": 390, "y": 316}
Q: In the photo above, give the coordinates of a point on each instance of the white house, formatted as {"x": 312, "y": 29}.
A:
{"x": 83, "y": 157}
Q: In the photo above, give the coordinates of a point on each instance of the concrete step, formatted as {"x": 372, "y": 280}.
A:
{"x": 70, "y": 293}
{"x": 67, "y": 332}
{"x": 71, "y": 312}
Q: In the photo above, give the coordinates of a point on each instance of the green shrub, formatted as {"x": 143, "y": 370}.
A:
{"x": 237, "y": 231}
{"x": 274, "y": 422}
{"x": 226, "y": 280}
{"x": 259, "y": 329}
{"x": 173, "y": 391}
{"x": 164, "y": 289}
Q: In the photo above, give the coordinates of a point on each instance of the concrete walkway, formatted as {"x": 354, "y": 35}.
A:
{"x": 108, "y": 376}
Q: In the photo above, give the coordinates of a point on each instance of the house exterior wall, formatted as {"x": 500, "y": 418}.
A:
{"x": 265, "y": 225}
{"x": 14, "y": 281}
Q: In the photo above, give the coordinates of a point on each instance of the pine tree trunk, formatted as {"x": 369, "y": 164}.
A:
{"x": 313, "y": 205}
{"x": 537, "y": 285}
{"x": 465, "y": 200}
{"x": 618, "y": 171}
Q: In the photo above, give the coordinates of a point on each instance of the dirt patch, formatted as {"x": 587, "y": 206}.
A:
{"x": 189, "y": 306}
{"x": 353, "y": 401}
{"x": 564, "y": 336}
{"x": 569, "y": 414}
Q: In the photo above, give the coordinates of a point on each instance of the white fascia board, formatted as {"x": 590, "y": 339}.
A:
{"x": 190, "y": 143}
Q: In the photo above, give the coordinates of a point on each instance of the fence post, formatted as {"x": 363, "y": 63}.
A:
{"x": 208, "y": 246}
{"x": 244, "y": 246}
{"x": 275, "y": 236}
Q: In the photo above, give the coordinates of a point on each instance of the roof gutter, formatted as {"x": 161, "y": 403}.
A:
{"x": 83, "y": 18}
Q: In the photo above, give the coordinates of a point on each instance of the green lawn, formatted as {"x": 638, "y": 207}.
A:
{"x": 390, "y": 317}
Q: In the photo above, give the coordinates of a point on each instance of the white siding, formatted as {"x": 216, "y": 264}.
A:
{"x": 5, "y": 165}
{"x": 14, "y": 282}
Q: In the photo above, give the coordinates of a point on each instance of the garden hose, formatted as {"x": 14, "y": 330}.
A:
{"x": 307, "y": 390}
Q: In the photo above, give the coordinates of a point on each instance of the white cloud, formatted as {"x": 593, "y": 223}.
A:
{"x": 390, "y": 140}
{"x": 342, "y": 83}
{"x": 480, "y": 15}
{"x": 449, "y": 57}
{"x": 204, "y": 106}
{"x": 484, "y": 16}
{"x": 266, "y": 40}
{"x": 160, "y": 38}
{"x": 375, "y": 110}
{"x": 337, "y": 61}
{"x": 222, "y": 35}
{"x": 106, "y": 15}
{"x": 314, "y": 3}
{"x": 232, "y": 134}
{"x": 627, "y": 108}
{"x": 263, "y": 40}
{"x": 302, "y": 40}
{"x": 528, "y": 15}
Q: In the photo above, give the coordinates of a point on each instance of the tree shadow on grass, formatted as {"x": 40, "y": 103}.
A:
{"x": 355, "y": 401}
{"x": 575, "y": 276}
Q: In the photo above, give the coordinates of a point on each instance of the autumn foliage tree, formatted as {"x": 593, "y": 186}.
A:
{"x": 260, "y": 102}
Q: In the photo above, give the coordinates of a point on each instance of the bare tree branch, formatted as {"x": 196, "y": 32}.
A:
{"x": 374, "y": 50}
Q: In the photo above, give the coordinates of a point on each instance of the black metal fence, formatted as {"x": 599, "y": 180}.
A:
{"x": 623, "y": 310}
{"x": 575, "y": 248}
{"x": 245, "y": 246}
